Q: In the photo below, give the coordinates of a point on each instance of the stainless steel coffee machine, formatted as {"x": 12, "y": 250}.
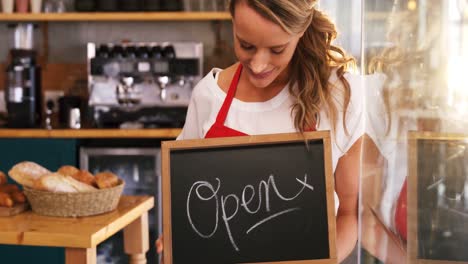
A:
{"x": 142, "y": 85}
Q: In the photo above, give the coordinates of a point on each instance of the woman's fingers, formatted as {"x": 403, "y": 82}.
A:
{"x": 159, "y": 248}
{"x": 159, "y": 245}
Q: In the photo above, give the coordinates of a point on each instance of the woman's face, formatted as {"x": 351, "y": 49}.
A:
{"x": 263, "y": 47}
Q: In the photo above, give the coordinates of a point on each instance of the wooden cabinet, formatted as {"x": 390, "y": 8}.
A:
{"x": 50, "y": 153}
{"x": 54, "y": 148}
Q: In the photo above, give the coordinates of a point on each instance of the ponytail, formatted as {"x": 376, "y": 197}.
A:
{"x": 312, "y": 64}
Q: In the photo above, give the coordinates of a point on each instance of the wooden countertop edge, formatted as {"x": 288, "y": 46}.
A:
{"x": 37, "y": 238}
{"x": 90, "y": 133}
{"x": 116, "y": 226}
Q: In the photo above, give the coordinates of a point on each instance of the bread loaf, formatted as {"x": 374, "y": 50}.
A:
{"x": 3, "y": 178}
{"x": 68, "y": 170}
{"x": 85, "y": 176}
{"x": 55, "y": 182}
{"x": 106, "y": 180}
{"x": 79, "y": 186}
{"x": 25, "y": 173}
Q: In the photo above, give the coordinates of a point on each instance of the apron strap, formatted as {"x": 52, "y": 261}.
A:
{"x": 222, "y": 114}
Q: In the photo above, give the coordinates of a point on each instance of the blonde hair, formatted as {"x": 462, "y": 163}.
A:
{"x": 404, "y": 63}
{"x": 313, "y": 60}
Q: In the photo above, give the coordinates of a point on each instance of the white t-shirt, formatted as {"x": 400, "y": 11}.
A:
{"x": 392, "y": 144}
{"x": 273, "y": 116}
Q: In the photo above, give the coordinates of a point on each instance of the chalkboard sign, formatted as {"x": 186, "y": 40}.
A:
{"x": 438, "y": 198}
{"x": 251, "y": 199}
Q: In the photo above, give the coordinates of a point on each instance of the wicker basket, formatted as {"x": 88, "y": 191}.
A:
{"x": 74, "y": 204}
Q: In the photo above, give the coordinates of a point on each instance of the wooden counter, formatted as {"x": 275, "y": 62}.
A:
{"x": 80, "y": 236}
{"x": 90, "y": 133}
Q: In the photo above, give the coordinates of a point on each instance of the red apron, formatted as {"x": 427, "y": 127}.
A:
{"x": 401, "y": 212}
{"x": 218, "y": 129}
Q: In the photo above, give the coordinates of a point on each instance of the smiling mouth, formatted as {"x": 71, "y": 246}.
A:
{"x": 262, "y": 75}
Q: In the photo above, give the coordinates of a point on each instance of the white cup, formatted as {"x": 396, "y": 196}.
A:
{"x": 74, "y": 118}
{"x": 36, "y": 6}
{"x": 7, "y": 6}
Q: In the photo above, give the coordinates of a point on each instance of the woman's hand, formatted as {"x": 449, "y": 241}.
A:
{"x": 159, "y": 248}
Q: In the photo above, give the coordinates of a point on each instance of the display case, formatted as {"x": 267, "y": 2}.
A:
{"x": 139, "y": 167}
{"x": 414, "y": 195}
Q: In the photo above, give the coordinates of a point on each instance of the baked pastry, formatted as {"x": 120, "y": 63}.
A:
{"x": 106, "y": 179}
{"x": 15, "y": 194}
{"x": 26, "y": 172}
{"x": 68, "y": 170}
{"x": 3, "y": 178}
{"x": 55, "y": 182}
{"x": 85, "y": 176}
{"x": 79, "y": 186}
{"x": 5, "y": 200}
{"x": 9, "y": 188}
{"x": 18, "y": 197}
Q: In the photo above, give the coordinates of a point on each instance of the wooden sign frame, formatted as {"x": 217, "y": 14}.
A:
{"x": 168, "y": 146}
{"x": 412, "y": 192}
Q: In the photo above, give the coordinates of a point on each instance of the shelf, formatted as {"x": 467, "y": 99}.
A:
{"x": 90, "y": 133}
{"x": 123, "y": 16}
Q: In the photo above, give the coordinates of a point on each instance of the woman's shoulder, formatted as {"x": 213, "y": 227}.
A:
{"x": 353, "y": 79}
{"x": 216, "y": 78}
{"x": 206, "y": 85}
{"x": 356, "y": 91}
{"x": 345, "y": 136}
{"x": 226, "y": 75}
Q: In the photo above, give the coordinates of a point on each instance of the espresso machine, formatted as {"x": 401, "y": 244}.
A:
{"x": 142, "y": 85}
{"x": 23, "y": 82}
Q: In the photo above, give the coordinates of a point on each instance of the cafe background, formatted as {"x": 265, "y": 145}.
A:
{"x": 412, "y": 54}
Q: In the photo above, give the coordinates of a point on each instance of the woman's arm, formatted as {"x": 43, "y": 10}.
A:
{"x": 347, "y": 188}
{"x": 376, "y": 237}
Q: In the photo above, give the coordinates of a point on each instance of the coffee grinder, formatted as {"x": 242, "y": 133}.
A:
{"x": 23, "y": 82}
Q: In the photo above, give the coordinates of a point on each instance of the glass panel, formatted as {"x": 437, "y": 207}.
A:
{"x": 414, "y": 180}
{"x": 347, "y": 17}
{"x": 139, "y": 172}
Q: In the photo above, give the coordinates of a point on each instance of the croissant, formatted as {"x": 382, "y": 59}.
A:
{"x": 3, "y": 178}
{"x": 85, "y": 176}
{"x": 9, "y": 188}
{"x": 5, "y": 200}
{"x": 18, "y": 197}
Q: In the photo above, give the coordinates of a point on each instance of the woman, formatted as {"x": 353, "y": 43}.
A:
{"x": 289, "y": 78}
{"x": 400, "y": 90}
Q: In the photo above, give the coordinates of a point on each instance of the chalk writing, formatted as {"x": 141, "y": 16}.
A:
{"x": 205, "y": 191}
